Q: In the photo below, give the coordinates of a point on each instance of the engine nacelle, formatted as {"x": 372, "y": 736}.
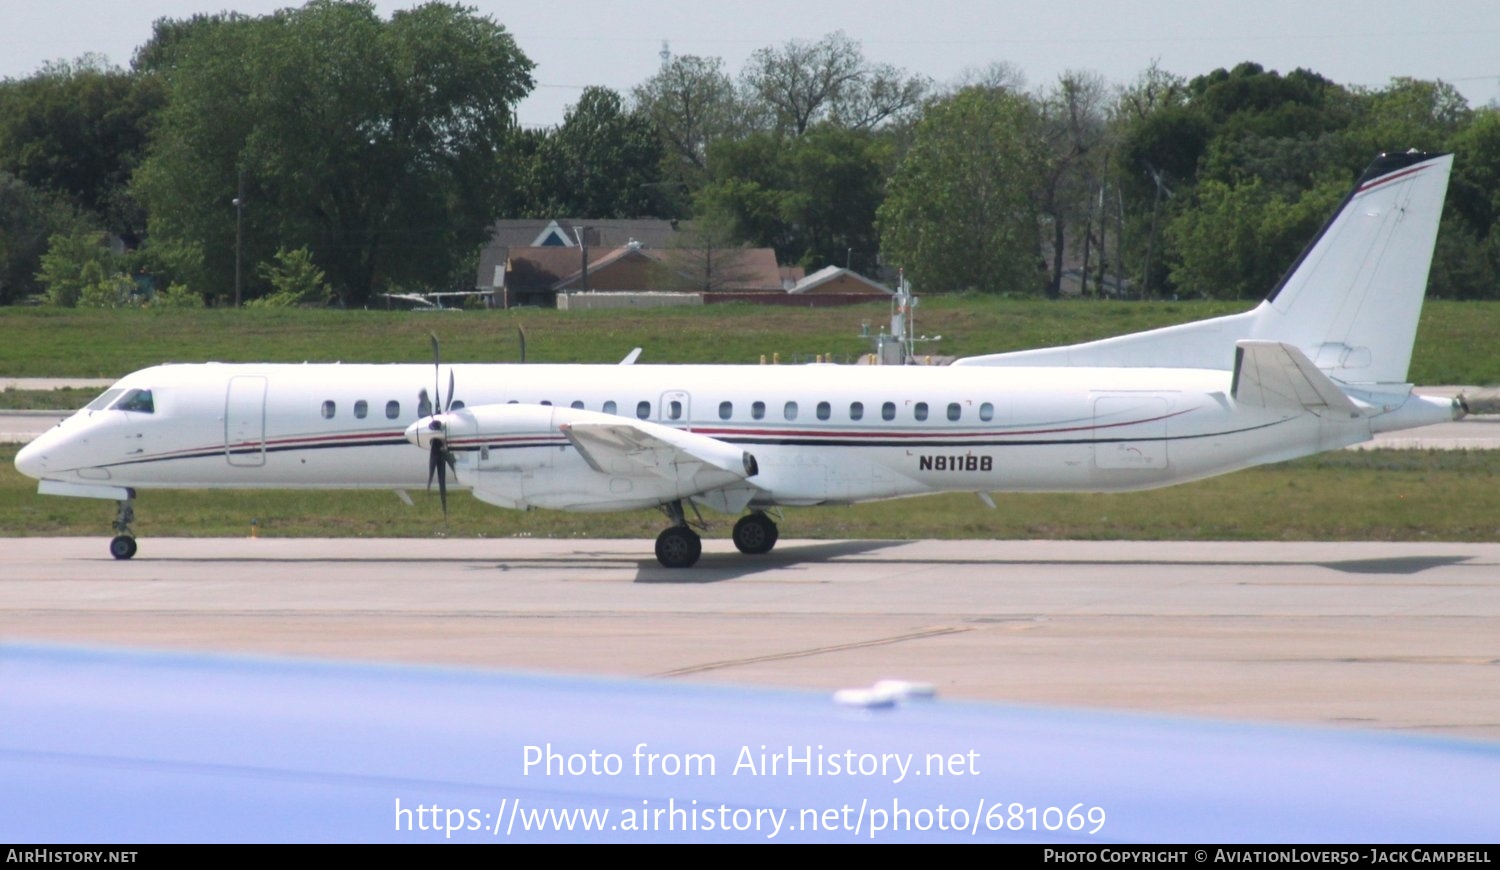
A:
{"x": 524, "y": 456}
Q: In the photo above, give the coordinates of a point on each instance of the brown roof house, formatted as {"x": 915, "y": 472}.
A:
{"x": 568, "y": 233}
{"x": 574, "y": 264}
{"x": 634, "y": 275}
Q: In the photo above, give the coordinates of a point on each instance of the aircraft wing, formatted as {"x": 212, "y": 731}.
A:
{"x": 626, "y": 448}
{"x": 1274, "y": 374}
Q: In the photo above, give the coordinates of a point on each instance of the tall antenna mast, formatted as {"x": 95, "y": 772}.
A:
{"x": 666, "y": 54}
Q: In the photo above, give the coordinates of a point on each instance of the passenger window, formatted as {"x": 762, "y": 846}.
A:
{"x": 726, "y": 410}
{"x": 790, "y": 411}
{"x": 329, "y": 409}
{"x": 547, "y": 402}
{"x": 955, "y": 411}
{"x": 609, "y": 406}
{"x": 392, "y": 409}
{"x": 138, "y": 401}
{"x": 920, "y": 411}
{"x": 986, "y": 412}
{"x": 856, "y": 410}
{"x": 888, "y": 411}
{"x": 825, "y": 410}
{"x": 456, "y": 405}
{"x": 758, "y": 410}
{"x": 424, "y": 405}
{"x": 674, "y": 410}
{"x": 361, "y": 409}
{"x": 643, "y": 409}
{"x": 577, "y": 405}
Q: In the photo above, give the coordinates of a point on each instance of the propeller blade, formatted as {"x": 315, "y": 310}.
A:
{"x": 521, "y": 331}
{"x": 442, "y": 475}
{"x": 438, "y": 460}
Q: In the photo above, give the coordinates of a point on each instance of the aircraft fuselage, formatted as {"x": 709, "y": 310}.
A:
{"x": 819, "y": 434}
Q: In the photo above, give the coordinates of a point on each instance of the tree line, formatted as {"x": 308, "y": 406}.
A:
{"x": 323, "y": 155}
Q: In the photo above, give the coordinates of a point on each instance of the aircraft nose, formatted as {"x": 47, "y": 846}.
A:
{"x": 32, "y": 460}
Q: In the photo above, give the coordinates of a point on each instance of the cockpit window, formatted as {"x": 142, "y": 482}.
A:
{"x": 136, "y": 400}
{"x": 103, "y": 401}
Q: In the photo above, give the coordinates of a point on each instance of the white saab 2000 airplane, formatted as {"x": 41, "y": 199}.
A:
{"x": 1320, "y": 364}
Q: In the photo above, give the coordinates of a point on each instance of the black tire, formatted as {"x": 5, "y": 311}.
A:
{"x": 122, "y": 546}
{"x": 678, "y": 547}
{"x": 755, "y": 534}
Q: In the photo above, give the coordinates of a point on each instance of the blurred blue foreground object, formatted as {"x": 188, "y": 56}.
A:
{"x": 108, "y": 746}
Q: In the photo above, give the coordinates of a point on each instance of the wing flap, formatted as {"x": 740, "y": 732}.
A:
{"x": 627, "y": 448}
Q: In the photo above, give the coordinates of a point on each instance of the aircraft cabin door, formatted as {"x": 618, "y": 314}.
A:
{"x": 676, "y": 409}
{"x": 245, "y": 421}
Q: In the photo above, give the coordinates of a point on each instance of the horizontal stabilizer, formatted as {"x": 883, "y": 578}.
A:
{"x": 1274, "y": 374}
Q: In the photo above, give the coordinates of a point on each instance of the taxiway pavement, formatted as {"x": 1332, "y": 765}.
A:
{"x": 1401, "y": 636}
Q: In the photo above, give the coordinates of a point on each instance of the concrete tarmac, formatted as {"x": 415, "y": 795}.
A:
{"x": 1402, "y": 636}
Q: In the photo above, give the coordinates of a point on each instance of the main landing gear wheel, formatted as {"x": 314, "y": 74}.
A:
{"x": 678, "y": 547}
{"x": 755, "y": 533}
{"x": 122, "y": 546}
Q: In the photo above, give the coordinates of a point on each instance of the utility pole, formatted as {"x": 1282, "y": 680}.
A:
{"x": 239, "y": 232}
{"x": 579, "y": 233}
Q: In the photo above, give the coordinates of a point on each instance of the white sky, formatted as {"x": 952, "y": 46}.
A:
{"x": 616, "y": 44}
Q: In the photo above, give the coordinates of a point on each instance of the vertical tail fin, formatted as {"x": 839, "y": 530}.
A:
{"x": 1352, "y": 300}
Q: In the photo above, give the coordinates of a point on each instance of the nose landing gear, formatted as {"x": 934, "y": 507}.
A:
{"x": 122, "y": 545}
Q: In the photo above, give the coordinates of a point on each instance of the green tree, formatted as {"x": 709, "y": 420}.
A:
{"x": 692, "y": 103}
{"x": 1236, "y": 240}
{"x": 1467, "y": 264}
{"x": 1408, "y": 113}
{"x": 801, "y": 83}
{"x": 813, "y": 198}
{"x": 76, "y": 263}
{"x": 176, "y": 296}
{"x": 601, "y": 163}
{"x": 112, "y": 290}
{"x": 78, "y": 130}
{"x": 1074, "y": 128}
{"x": 295, "y": 281}
{"x": 960, "y": 211}
{"x": 28, "y": 218}
{"x": 371, "y": 142}
{"x": 1272, "y": 144}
